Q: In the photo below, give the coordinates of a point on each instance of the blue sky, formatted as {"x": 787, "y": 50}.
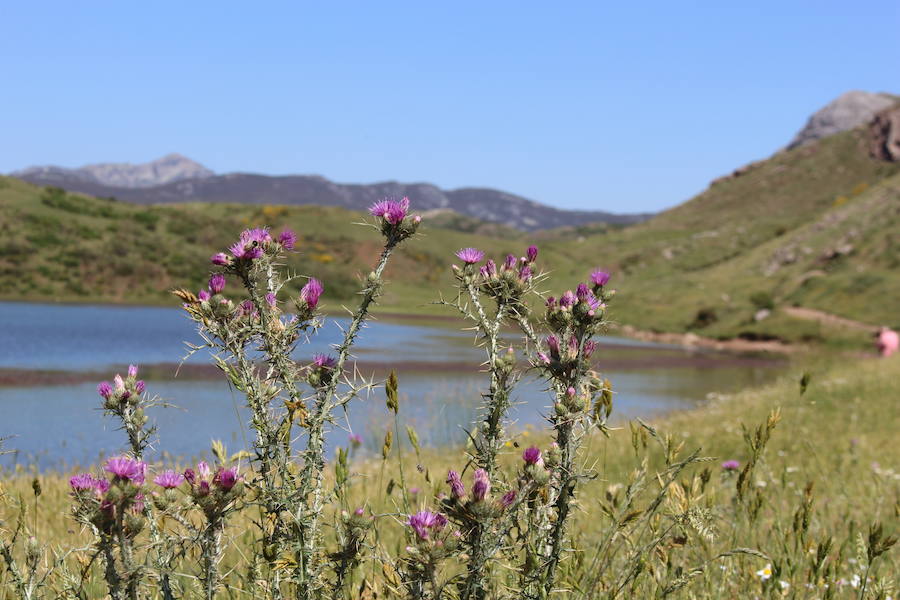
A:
{"x": 596, "y": 105}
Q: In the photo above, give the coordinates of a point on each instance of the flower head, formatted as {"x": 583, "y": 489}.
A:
{"x": 532, "y": 253}
{"x": 731, "y": 465}
{"x": 132, "y": 370}
{"x": 426, "y": 521}
{"x": 225, "y": 478}
{"x": 532, "y": 456}
{"x": 599, "y": 278}
{"x": 271, "y": 300}
{"x": 482, "y": 485}
{"x": 392, "y": 211}
{"x": 86, "y": 481}
{"x": 324, "y": 361}
{"x": 457, "y": 489}
{"x": 217, "y": 283}
{"x": 765, "y": 573}
{"x": 311, "y": 292}
{"x": 203, "y": 295}
{"x": 508, "y": 498}
{"x": 105, "y": 389}
{"x": 287, "y": 239}
{"x": 470, "y": 256}
{"x": 220, "y": 258}
{"x": 169, "y": 479}
{"x": 510, "y": 262}
{"x": 125, "y": 467}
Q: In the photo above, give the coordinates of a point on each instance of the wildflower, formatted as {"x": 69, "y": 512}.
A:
{"x": 731, "y": 465}
{"x": 470, "y": 256}
{"x": 220, "y": 258}
{"x": 271, "y": 300}
{"x": 457, "y": 489}
{"x": 203, "y": 295}
{"x": 599, "y": 278}
{"x": 784, "y": 584}
{"x": 140, "y": 386}
{"x": 217, "y": 283}
{"x": 225, "y": 478}
{"x": 105, "y": 389}
{"x": 525, "y": 273}
{"x": 855, "y": 581}
{"x": 510, "y": 262}
{"x": 482, "y": 485}
{"x": 132, "y": 370}
{"x": 203, "y": 470}
{"x": 765, "y": 573}
{"x": 249, "y": 245}
{"x": 86, "y": 481}
{"x": 553, "y": 344}
{"x": 124, "y": 467}
{"x": 532, "y": 456}
{"x": 311, "y": 292}
{"x": 190, "y": 476}
{"x": 531, "y": 253}
{"x": 424, "y": 521}
{"x": 169, "y": 479}
{"x": 489, "y": 270}
{"x": 356, "y": 440}
{"x": 324, "y": 361}
{"x": 392, "y": 211}
{"x": 567, "y": 300}
{"x": 589, "y": 347}
{"x": 508, "y": 498}
{"x": 544, "y": 358}
{"x": 287, "y": 239}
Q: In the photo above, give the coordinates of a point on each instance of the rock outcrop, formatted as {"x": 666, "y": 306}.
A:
{"x": 168, "y": 169}
{"x": 847, "y": 111}
{"x": 884, "y": 135}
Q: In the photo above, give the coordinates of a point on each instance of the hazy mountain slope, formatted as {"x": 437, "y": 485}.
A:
{"x": 245, "y": 188}
{"x": 169, "y": 168}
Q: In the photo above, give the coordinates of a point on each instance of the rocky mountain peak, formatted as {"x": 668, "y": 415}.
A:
{"x": 850, "y": 109}
{"x": 168, "y": 169}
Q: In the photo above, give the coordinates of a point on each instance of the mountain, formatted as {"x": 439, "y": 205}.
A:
{"x": 176, "y": 179}
{"x": 168, "y": 169}
{"x": 847, "y": 111}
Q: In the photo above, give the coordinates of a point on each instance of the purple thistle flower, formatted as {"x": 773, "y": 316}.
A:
{"x": 203, "y": 470}
{"x": 482, "y": 485}
{"x": 551, "y": 302}
{"x": 247, "y": 308}
{"x": 510, "y": 262}
{"x": 470, "y": 256}
{"x": 544, "y": 358}
{"x": 169, "y": 479}
{"x": 356, "y": 440}
{"x": 132, "y": 370}
{"x": 324, "y": 361}
{"x": 104, "y": 389}
{"x": 125, "y": 467}
{"x": 731, "y": 465}
{"x": 260, "y": 235}
{"x": 525, "y": 273}
{"x": 532, "y": 456}
{"x": 570, "y": 392}
{"x": 190, "y": 476}
{"x": 86, "y": 481}
{"x": 573, "y": 346}
{"x": 568, "y": 299}
{"x": 532, "y": 253}
{"x": 119, "y": 383}
{"x": 425, "y": 520}
{"x": 287, "y": 239}
{"x": 484, "y": 272}
{"x": 508, "y": 498}
{"x": 359, "y": 512}
{"x": 271, "y": 300}
{"x": 203, "y": 295}
{"x": 392, "y": 211}
{"x": 140, "y": 386}
{"x": 599, "y": 278}
{"x": 311, "y": 292}
{"x": 583, "y": 292}
{"x": 589, "y": 347}
{"x": 217, "y": 283}
{"x": 553, "y": 344}
{"x": 220, "y": 258}
{"x": 457, "y": 489}
{"x": 225, "y": 478}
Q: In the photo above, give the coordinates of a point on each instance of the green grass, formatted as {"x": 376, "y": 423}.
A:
{"x": 838, "y": 440}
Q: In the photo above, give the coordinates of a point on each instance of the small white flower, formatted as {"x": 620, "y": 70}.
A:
{"x": 784, "y": 584}
{"x": 765, "y": 573}
{"x": 854, "y": 581}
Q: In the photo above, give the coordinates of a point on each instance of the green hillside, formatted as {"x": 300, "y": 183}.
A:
{"x": 815, "y": 227}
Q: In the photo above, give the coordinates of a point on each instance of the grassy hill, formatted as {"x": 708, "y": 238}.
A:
{"x": 814, "y": 227}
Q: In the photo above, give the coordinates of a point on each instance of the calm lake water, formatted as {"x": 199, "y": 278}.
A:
{"x": 60, "y": 425}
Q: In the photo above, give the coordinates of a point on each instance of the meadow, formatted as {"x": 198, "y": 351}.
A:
{"x": 787, "y": 491}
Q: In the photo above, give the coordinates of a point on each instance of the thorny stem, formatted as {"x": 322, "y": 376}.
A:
{"x": 211, "y": 547}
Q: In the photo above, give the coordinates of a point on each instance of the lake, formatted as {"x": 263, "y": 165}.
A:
{"x": 52, "y": 356}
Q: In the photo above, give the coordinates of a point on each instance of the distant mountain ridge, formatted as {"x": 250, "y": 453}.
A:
{"x": 169, "y": 168}
{"x": 175, "y": 178}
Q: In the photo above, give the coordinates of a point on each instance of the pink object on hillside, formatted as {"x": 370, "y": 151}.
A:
{"x": 887, "y": 341}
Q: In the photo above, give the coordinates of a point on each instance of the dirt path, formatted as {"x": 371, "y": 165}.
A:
{"x": 825, "y": 318}
{"x": 691, "y": 340}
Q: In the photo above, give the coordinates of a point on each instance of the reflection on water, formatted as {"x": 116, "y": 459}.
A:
{"x": 57, "y": 425}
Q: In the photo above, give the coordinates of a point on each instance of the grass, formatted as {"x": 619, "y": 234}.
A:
{"x": 828, "y": 473}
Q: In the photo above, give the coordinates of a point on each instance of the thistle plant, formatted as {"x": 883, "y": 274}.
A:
{"x": 280, "y": 393}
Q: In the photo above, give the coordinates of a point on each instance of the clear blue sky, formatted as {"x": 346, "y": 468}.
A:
{"x": 620, "y": 106}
